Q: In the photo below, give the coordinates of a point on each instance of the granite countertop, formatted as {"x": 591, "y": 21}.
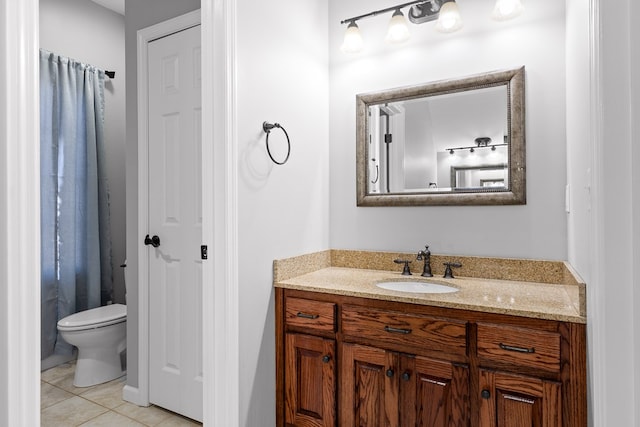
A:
{"x": 550, "y": 301}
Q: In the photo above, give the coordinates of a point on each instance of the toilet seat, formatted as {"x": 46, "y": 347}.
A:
{"x": 94, "y": 318}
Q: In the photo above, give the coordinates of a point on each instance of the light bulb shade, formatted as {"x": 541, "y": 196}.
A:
{"x": 398, "y": 31}
{"x": 352, "y": 39}
{"x": 506, "y": 9}
{"x": 449, "y": 19}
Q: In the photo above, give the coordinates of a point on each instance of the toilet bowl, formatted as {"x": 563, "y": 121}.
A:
{"x": 100, "y": 336}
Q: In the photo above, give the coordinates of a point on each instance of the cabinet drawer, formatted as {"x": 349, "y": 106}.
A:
{"x": 521, "y": 346}
{"x": 393, "y": 327}
{"x": 317, "y": 315}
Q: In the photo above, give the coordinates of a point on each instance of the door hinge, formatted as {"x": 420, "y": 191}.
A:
{"x": 204, "y": 252}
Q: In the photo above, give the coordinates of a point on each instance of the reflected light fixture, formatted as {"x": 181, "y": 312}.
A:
{"x": 398, "y": 31}
{"x": 446, "y": 12}
{"x": 449, "y": 20}
{"x": 481, "y": 142}
{"x": 507, "y": 9}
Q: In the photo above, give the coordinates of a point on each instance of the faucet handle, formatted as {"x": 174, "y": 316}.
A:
{"x": 405, "y": 270}
{"x": 448, "y": 274}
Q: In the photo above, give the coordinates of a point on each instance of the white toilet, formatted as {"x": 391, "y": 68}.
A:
{"x": 100, "y": 335}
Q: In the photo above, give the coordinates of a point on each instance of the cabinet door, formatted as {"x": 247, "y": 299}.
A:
{"x": 433, "y": 393}
{"x": 369, "y": 387}
{"x": 309, "y": 381}
{"x": 515, "y": 401}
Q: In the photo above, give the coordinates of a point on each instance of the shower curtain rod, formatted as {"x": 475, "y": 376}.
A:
{"x": 110, "y": 74}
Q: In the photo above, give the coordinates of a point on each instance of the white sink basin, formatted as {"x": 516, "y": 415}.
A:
{"x": 416, "y": 287}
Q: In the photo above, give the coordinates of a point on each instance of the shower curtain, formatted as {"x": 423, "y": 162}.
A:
{"x": 76, "y": 243}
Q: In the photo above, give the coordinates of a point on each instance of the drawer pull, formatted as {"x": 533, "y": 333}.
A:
{"x": 517, "y": 349}
{"x": 519, "y": 399}
{"x": 397, "y": 330}
{"x": 326, "y": 358}
{"x": 307, "y": 316}
{"x": 390, "y": 373}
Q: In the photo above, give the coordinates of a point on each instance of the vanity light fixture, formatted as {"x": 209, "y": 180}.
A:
{"x": 450, "y": 19}
{"x": 398, "y": 31}
{"x": 446, "y": 12}
{"x": 507, "y": 9}
{"x": 352, "y": 39}
{"x": 481, "y": 142}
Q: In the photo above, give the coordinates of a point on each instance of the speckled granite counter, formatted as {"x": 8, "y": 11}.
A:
{"x": 559, "y": 296}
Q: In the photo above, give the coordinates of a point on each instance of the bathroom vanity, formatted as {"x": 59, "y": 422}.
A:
{"x": 498, "y": 352}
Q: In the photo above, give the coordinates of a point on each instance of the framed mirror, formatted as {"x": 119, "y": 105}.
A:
{"x": 451, "y": 142}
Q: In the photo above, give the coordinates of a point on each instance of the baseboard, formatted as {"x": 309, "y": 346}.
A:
{"x": 132, "y": 395}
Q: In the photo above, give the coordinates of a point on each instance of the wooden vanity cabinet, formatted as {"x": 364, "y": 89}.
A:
{"x": 389, "y": 389}
{"x": 510, "y": 399}
{"x": 309, "y": 363}
{"x": 400, "y": 364}
{"x": 310, "y": 383}
{"x": 391, "y": 380}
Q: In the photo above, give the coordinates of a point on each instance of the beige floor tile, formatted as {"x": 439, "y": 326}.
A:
{"x": 66, "y": 383}
{"x": 111, "y": 419}
{"x": 109, "y": 394}
{"x": 70, "y": 412}
{"x": 58, "y": 372}
{"x": 50, "y": 395}
{"x": 149, "y": 415}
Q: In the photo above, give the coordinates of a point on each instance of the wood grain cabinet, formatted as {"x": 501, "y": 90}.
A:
{"x": 517, "y": 401}
{"x": 348, "y": 361}
{"x": 309, "y": 361}
{"x": 385, "y": 388}
{"x": 509, "y": 399}
{"x": 310, "y": 383}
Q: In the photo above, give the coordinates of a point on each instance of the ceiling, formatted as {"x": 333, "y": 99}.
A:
{"x": 115, "y": 5}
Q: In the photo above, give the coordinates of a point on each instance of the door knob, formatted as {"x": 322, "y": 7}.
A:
{"x": 153, "y": 241}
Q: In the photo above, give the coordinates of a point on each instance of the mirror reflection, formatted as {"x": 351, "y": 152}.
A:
{"x": 450, "y": 142}
{"x": 456, "y": 141}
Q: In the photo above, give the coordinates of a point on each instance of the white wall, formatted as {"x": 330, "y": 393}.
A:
{"x": 634, "y": 284}
{"x": 604, "y": 236}
{"x": 82, "y": 30}
{"x": 535, "y": 40}
{"x": 611, "y": 306}
{"x": 282, "y": 77}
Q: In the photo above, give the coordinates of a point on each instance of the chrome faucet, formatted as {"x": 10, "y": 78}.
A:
{"x": 425, "y": 255}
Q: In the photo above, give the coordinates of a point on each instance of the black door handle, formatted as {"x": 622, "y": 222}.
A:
{"x": 153, "y": 241}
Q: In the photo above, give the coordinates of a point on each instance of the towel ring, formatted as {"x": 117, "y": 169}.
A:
{"x": 266, "y": 126}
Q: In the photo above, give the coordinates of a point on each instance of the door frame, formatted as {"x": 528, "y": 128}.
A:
{"x": 219, "y": 203}
{"x": 20, "y": 219}
{"x": 19, "y": 213}
{"x": 144, "y": 37}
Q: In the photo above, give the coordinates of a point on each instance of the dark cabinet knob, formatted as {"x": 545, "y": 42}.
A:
{"x": 406, "y": 376}
{"x": 153, "y": 241}
{"x": 485, "y": 394}
{"x": 326, "y": 358}
{"x": 390, "y": 373}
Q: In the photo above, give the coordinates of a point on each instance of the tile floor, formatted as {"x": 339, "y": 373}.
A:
{"x": 63, "y": 405}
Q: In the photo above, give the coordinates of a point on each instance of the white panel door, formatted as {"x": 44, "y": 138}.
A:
{"x": 175, "y": 216}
